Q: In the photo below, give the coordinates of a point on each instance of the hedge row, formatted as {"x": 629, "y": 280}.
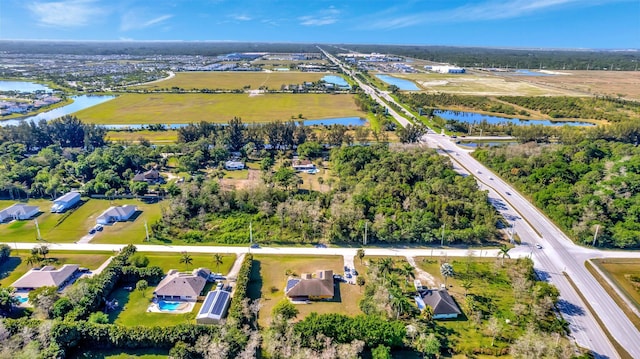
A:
{"x": 242, "y": 282}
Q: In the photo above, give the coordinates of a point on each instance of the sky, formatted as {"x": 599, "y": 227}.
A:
{"x": 594, "y": 24}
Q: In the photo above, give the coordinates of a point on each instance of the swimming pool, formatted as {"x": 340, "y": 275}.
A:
{"x": 21, "y": 299}
{"x": 168, "y": 306}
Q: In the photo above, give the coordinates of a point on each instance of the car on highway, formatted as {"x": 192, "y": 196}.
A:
{"x": 508, "y": 193}
{"x": 538, "y": 246}
{"x": 477, "y": 171}
{"x": 490, "y": 178}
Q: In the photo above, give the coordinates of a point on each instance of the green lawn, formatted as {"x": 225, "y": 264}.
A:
{"x": 234, "y": 80}
{"x": 122, "y": 354}
{"x": 168, "y": 261}
{"x": 620, "y": 271}
{"x": 219, "y": 108}
{"x": 71, "y": 226}
{"x": 268, "y": 281}
{"x": 17, "y": 265}
{"x": 133, "y": 310}
{"x": 158, "y": 137}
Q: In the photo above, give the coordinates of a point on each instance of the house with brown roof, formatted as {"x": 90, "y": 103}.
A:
{"x": 308, "y": 287}
{"x": 46, "y": 276}
{"x": 182, "y": 286}
{"x": 151, "y": 176}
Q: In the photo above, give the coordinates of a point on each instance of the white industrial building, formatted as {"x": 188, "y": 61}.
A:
{"x": 445, "y": 69}
{"x": 65, "y": 202}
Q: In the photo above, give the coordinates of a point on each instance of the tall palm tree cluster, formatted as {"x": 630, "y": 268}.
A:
{"x": 394, "y": 278}
{"x": 38, "y": 255}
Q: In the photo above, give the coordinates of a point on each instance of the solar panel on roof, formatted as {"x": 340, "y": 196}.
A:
{"x": 291, "y": 283}
{"x": 220, "y": 303}
{"x": 207, "y": 303}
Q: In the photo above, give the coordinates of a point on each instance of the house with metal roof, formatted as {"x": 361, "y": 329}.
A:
{"x": 65, "y": 202}
{"x": 308, "y": 287}
{"x": 443, "y": 305}
{"x": 182, "y": 286}
{"x": 214, "y": 307}
{"x": 46, "y": 276}
{"x": 116, "y": 214}
{"x": 19, "y": 211}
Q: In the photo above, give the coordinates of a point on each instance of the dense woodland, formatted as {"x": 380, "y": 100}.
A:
{"x": 406, "y": 195}
{"x": 580, "y": 186}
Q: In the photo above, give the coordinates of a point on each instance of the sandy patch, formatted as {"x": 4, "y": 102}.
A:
{"x": 554, "y": 72}
{"x": 424, "y": 277}
{"x": 433, "y": 83}
{"x": 253, "y": 93}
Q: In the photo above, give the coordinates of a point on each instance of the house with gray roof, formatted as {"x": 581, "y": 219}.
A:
{"x": 46, "y": 276}
{"x": 65, "y": 202}
{"x": 18, "y": 211}
{"x": 116, "y": 214}
{"x": 182, "y": 286}
{"x": 151, "y": 176}
{"x": 308, "y": 287}
{"x": 443, "y": 305}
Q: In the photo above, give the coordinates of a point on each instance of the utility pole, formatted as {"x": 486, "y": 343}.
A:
{"x": 39, "y": 237}
{"x": 442, "y": 237}
{"x": 146, "y": 230}
{"x": 595, "y": 235}
{"x": 364, "y": 239}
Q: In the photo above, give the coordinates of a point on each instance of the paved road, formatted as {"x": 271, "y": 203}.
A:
{"x": 558, "y": 254}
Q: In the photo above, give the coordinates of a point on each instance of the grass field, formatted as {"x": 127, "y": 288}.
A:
{"x": 122, "y": 354}
{"x": 157, "y": 137}
{"x": 17, "y": 265}
{"x": 168, "y": 261}
{"x": 480, "y": 84}
{"x": 234, "y": 80}
{"x": 268, "y": 281}
{"x": 619, "y": 270}
{"x": 219, "y": 108}
{"x": 71, "y": 226}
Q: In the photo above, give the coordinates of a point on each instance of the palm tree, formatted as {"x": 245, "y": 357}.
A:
{"x": 407, "y": 271}
{"x": 399, "y": 303}
{"x": 385, "y": 266}
{"x": 186, "y": 259}
{"x": 504, "y": 252}
{"x": 217, "y": 258}
{"x": 447, "y": 271}
{"x": 466, "y": 284}
{"x": 359, "y": 253}
{"x": 33, "y": 260}
{"x": 43, "y": 251}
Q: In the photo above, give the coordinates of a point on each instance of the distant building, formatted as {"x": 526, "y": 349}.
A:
{"x": 214, "y": 307}
{"x": 18, "y": 211}
{"x": 65, "y": 202}
{"x": 116, "y": 214}
{"x": 303, "y": 165}
{"x": 309, "y": 288}
{"x": 182, "y": 286}
{"x": 233, "y": 165}
{"x": 444, "y": 306}
{"x": 152, "y": 176}
{"x": 46, "y": 276}
{"x": 445, "y": 69}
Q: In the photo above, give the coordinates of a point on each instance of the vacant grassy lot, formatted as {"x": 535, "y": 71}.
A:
{"x": 620, "y": 270}
{"x": 219, "y": 108}
{"x": 481, "y": 85}
{"x": 157, "y": 137}
{"x": 122, "y": 354}
{"x": 17, "y": 265}
{"x": 73, "y": 225}
{"x": 268, "y": 281}
{"x": 234, "y": 80}
{"x": 168, "y": 261}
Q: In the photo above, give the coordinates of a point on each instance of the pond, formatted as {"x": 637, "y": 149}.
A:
{"x": 336, "y": 80}
{"x": 22, "y": 86}
{"x": 524, "y": 72}
{"x": 472, "y": 117}
{"x": 345, "y": 121}
{"x": 404, "y": 85}
{"x": 79, "y": 103}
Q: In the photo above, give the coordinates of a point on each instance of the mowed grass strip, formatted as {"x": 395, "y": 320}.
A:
{"x": 168, "y": 261}
{"x": 122, "y": 354}
{"x": 233, "y": 80}
{"x": 17, "y": 265}
{"x": 268, "y": 281}
{"x": 72, "y": 225}
{"x": 158, "y": 137}
{"x": 218, "y": 108}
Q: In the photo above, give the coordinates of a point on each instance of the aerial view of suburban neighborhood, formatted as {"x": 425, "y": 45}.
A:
{"x": 231, "y": 179}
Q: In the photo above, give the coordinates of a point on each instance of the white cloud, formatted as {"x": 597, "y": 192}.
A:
{"x": 135, "y": 20}
{"x": 242, "y": 17}
{"x": 486, "y": 11}
{"x": 66, "y": 13}
{"x": 323, "y": 17}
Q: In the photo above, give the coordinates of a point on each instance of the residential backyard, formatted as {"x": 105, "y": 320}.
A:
{"x": 74, "y": 224}
{"x": 17, "y": 265}
{"x": 168, "y": 261}
{"x": 268, "y": 282}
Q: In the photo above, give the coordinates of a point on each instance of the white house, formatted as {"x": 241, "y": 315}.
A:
{"x": 303, "y": 165}
{"x": 65, "y": 202}
{"x": 116, "y": 214}
{"x": 182, "y": 286}
{"x": 214, "y": 307}
{"x": 233, "y": 165}
{"x": 18, "y": 211}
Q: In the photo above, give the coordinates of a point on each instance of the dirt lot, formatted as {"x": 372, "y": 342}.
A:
{"x": 612, "y": 83}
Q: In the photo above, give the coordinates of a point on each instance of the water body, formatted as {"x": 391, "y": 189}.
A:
{"x": 471, "y": 117}
{"x": 402, "y": 84}
{"x": 22, "y": 86}
{"x": 524, "y": 72}
{"x": 346, "y": 121}
{"x": 169, "y": 126}
{"x": 79, "y": 103}
{"x": 336, "y": 80}
{"x": 490, "y": 144}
